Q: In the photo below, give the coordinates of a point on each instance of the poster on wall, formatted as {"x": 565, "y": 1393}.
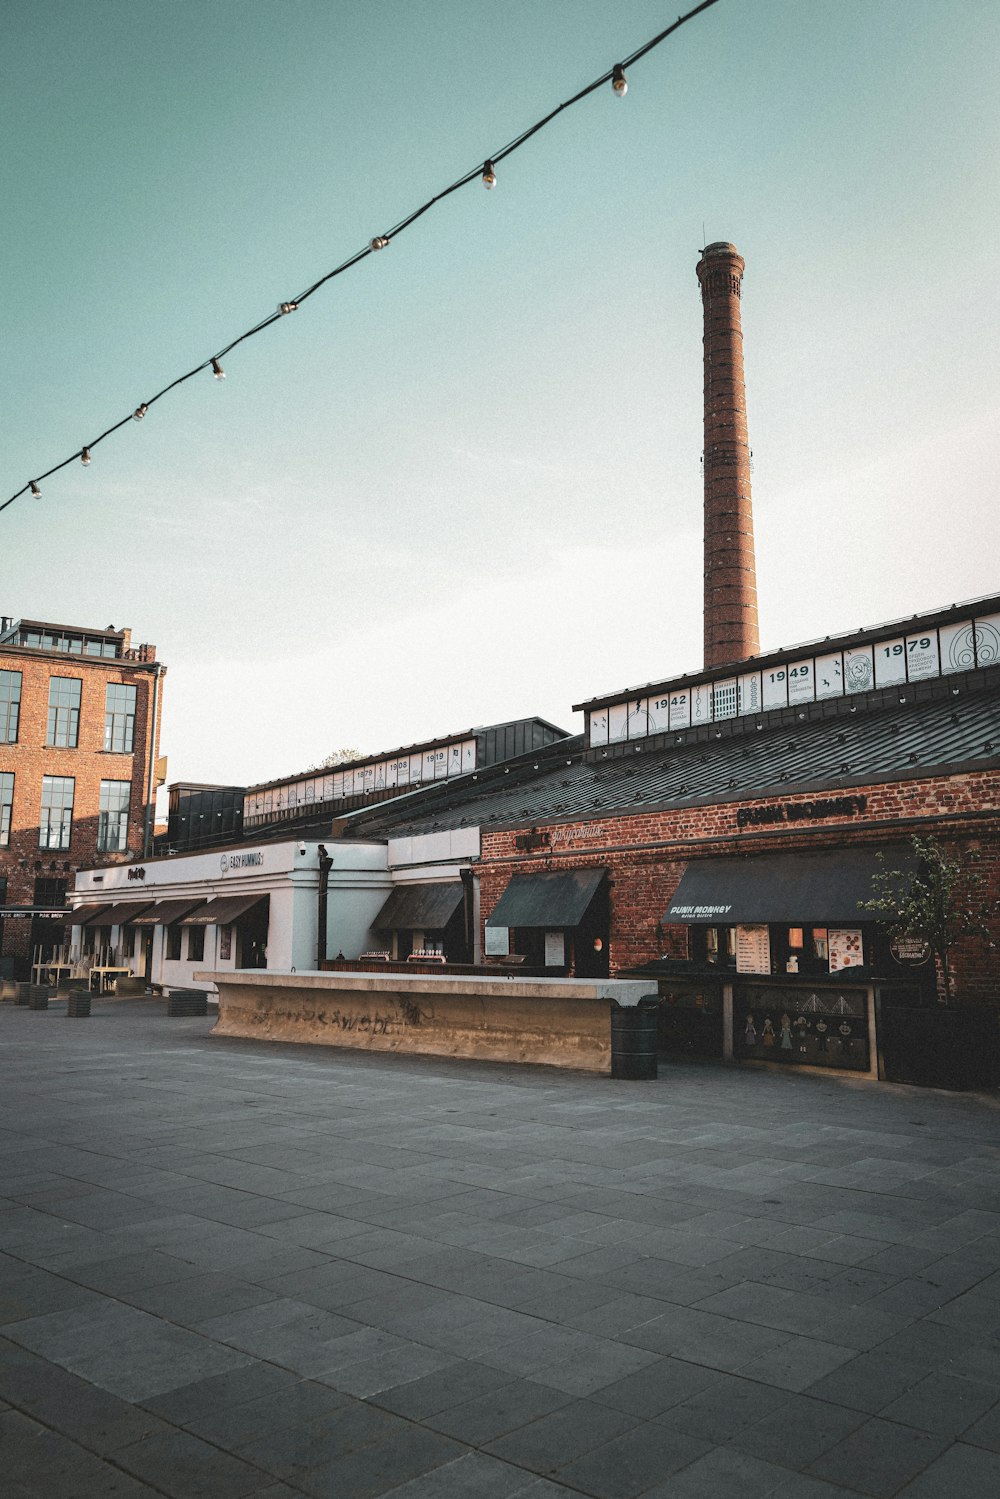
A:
{"x": 846, "y": 948}
{"x": 498, "y": 941}
{"x": 753, "y": 949}
{"x": 829, "y": 675}
{"x": 890, "y": 663}
{"x": 555, "y": 950}
{"x": 859, "y": 669}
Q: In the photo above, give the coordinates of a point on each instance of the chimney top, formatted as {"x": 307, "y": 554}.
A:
{"x": 720, "y": 247}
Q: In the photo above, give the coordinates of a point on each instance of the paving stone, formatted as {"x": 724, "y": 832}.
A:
{"x": 797, "y": 1432}
{"x": 942, "y": 1403}
{"x": 631, "y": 1464}
{"x": 183, "y": 1466}
{"x": 551, "y": 1441}
{"x": 878, "y": 1457}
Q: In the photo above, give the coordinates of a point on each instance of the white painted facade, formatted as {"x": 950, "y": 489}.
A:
{"x": 362, "y": 876}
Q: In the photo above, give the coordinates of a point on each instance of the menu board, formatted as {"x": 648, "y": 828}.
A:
{"x": 846, "y": 948}
{"x": 555, "y": 950}
{"x": 753, "y": 949}
{"x": 498, "y": 941}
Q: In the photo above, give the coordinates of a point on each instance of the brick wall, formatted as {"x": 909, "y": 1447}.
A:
{"x": 646, "y": 854}
{"x": 30, "y": 759}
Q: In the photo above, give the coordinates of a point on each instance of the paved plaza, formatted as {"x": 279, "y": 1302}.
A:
{"x": 232, "y": 1269}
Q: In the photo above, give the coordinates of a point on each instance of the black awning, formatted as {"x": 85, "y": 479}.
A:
{"x": 85, "y": 915}
{"x": 421, "y": 908}
{"x": 824, "y": 888}
{"x": 547, "y": 900}
{"x": 124, "y": 912}
{"x": 222, "y": 911}
{"x": 166, "y": 912}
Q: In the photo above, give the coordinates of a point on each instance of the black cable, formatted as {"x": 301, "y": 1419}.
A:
{"x": 397, "y": 229}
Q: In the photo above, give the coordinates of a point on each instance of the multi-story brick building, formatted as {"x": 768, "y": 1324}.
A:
{"x": 79, "y": 740}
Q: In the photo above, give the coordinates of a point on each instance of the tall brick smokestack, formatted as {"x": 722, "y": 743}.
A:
{"x": 730, "y": 571}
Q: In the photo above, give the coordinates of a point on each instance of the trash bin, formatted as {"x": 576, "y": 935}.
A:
{"x": 78, "y": 1004}
{"x": 187, "y": 1002}
{"x": 633, "y": 1039}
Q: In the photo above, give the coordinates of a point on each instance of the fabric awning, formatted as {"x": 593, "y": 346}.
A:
{"x": 166, "y": 912}
{"x": 547, "y": 900}
{"x": 84, "y": 915}
{"x": 222, "y": 911}
{"x": 421, "y": 908}
{"x": 124, "y": 912}
{"x": 824, "y": 888}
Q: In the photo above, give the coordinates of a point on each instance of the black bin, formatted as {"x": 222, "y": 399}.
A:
{"x": 187, "y": 1002}
{"x": 633, "y": 1039}
{"x": 78, "y": 1004}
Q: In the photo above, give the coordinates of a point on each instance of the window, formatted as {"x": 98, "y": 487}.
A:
{"x": 64, "y": 712}
{"x": 10, "y": 705}
{"x": 119, "y": 718}
{"x": 6, "y": 803}
{"x": 112, "y": 820}
{"x": 56, "y": 821}
{"x": 49, "y": 892}
{"x": 196, "y": 944}
{"x": 173, "y": 942}
{"x": 126, "y": 941}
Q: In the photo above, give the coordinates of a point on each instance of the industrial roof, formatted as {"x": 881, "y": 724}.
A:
{"x": 952, "y": 725}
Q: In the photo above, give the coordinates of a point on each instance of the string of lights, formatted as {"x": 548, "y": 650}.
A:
{"x": 486, "y": 174}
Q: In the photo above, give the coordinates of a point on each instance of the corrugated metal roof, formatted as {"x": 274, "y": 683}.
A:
{"x": 888, "y": 743}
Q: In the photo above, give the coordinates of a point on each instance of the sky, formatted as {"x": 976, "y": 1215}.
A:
{"x": 461, "y": 484}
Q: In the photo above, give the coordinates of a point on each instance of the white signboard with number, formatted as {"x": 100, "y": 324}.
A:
{"x": 659, "y": 714}
{"x": 890, "y": 663}
{"x": 800, "y": 682}
{"x": 776, "y": 687}
{"x": 922, "y": 658}
{"x": 680, "y": 709}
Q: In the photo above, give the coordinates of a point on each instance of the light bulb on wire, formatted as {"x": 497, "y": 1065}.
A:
{"x": 379, "y": 242}
{"x": 85, "y": 457}
{"x": 140, "y": 411}
{"x": 286, "y": 307}
{"x": 489, "y": 175}
{"x": 36, "y": 493}
{"x": 217, "y": 370}
{"x": 619, "y": 82}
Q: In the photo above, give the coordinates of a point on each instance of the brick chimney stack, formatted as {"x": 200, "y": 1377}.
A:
{"x": 730, "y": 571}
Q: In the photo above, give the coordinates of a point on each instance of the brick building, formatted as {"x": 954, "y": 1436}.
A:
{"x": 79, "y": 740}
{"x": 725, "y": 825}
